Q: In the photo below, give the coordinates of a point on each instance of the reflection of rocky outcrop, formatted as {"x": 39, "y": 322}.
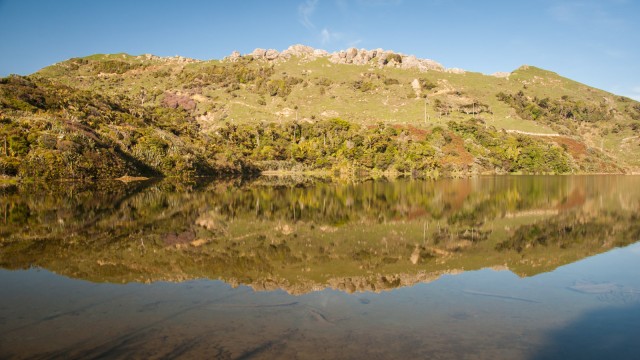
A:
{"x": 369, "y": 236}
{"x": 213, "y": 222}
{"x": 385, "y": 282}
{"x": 353, "y": 284}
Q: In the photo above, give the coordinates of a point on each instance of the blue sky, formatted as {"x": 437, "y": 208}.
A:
{"x": 596, "y": 42}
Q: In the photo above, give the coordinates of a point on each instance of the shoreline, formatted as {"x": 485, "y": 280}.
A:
{"x": 9, "y": 181}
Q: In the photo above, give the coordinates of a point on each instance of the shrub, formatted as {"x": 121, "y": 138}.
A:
{"x": 114, "y": 66}
{"x": 18, "y": 145}
{"x": 363, "y": 86}
{"x": 395, "y": 57}
{"x": 426, "y": 84}
{"x": 9, "y": 166}
{"x": 323, "y": 82}
{"x": 278, "y": 87}
{"x": 390, "y": 81}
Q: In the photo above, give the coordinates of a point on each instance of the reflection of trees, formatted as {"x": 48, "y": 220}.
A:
{"x": 252, "y": 232}
{"x": 613, "y": 228}
{"x": 464, "y": 201}
{"x": 460, "y": 201}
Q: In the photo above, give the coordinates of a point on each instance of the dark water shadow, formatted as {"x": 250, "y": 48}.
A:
{"x": 608, "y": 333}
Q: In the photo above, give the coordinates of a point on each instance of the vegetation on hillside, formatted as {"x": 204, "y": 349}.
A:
{"x": 105, "y": 116}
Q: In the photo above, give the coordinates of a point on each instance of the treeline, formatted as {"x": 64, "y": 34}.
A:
{"x": 329, "y": 144}
{"x": 337, "y": 144}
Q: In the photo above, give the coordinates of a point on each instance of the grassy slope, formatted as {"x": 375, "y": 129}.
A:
{"x": 396, "y": 103}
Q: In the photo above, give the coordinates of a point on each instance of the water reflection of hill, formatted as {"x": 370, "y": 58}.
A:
{"x": 356, "y": 236}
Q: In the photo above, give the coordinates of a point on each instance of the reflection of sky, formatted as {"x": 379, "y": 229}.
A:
{"x": 489, "y": 313}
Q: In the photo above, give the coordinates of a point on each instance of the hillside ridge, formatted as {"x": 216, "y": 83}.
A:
{"x": 376, "y": 57}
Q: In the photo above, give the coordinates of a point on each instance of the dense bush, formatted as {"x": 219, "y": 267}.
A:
{"x": 363, "y": 86}
{"x": 113, "y": 66}
{"x": 426, "y": 84}
{"x": 564, "y": 110}
{"x": 395, "y": 57}
{"x": 512, "y": 152}
{"x": 391, "y": 81}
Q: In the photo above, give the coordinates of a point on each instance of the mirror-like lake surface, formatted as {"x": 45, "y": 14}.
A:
{"x": 521, "y": 267}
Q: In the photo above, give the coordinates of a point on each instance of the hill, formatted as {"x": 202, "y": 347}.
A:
{"x": 303, "y": 109}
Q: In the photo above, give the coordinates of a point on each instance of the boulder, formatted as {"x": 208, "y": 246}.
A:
{"x": 351, "y": 53}
{"x": 320, "y": 52}
{"x": 415, "y": 84}
{"x": 455, "y": 71}
{"x": 259, "y": 53}
{"x": 368, "y": 55}
{"x": 432, "y": 65}
{"x": 410, "y": 62}
{"x": 271, "y": 54}
{"x": 299, "y": 50}
{"x": 235, "y": 56}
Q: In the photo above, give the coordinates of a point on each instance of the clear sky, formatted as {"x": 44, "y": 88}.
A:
{"x": 596, "y": 42}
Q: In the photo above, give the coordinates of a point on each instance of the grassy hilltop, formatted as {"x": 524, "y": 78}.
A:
{"x": 104, "y": 116}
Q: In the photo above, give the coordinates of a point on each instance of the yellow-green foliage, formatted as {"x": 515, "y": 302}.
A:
{"x": 126, "y": 105}
{"x": 305, "y": 236}
{"x": 513, "y": 152}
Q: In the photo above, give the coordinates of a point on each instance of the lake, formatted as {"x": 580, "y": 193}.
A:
{"x": 495, "y": 267}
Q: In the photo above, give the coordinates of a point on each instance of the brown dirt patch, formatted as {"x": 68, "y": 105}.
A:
{"x": 575, "y": 148}
{"x": 179, "y": 239}
{"x": 577, "y": 198}
{"x": 417, "y": 134}
{"x": 456, "y": 153}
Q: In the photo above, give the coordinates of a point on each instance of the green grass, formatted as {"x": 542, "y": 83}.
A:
{"x": 393, "y": 104}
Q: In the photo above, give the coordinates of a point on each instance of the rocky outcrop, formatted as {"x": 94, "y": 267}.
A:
{"x": 264, "y": 54}
{"x": 298, "y": 50}
{"x": 501, "y": 74}
{"x": 383, "y": 58}
{"x": 377, "y": 57}
{"x": 271, "y": 54}
{"x": 354, "y": 284}
{"x": 235, "y": 56}
{"x": 258, "y": 53}
{"x": 175, "y": 59}
{"x": 455, "y": 71}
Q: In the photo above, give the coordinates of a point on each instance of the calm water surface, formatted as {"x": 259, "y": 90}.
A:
{"x": 485, "y": 268}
